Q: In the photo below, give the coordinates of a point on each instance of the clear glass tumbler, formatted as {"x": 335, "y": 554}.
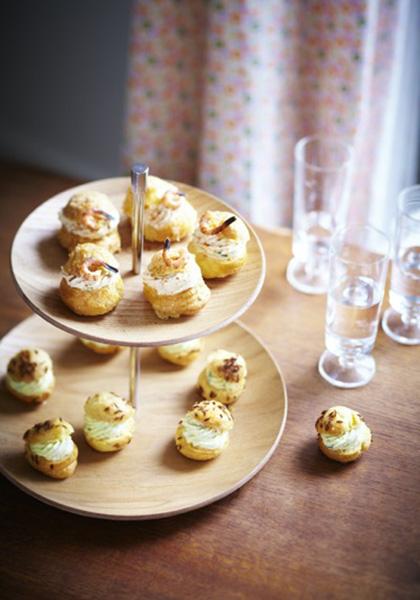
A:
{"x": 358, "y": 262}
{"x": 321, "y": 178}
{"x": 402, "y": 320}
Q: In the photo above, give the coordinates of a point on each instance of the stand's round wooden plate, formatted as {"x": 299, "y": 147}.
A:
{"x": 36, "y": 259}
{"x": 149, "y": 478}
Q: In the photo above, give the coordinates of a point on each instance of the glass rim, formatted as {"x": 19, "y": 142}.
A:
{"x": 303, "y": 142}
{"x": 360, "y": 226}
{"x": 401, "y": 199}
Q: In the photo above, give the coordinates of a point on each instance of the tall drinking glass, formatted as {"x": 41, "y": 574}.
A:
{"x": 321, "y": 177}
{"x": 357, "y": 273}
{"x": 402, "y": 321}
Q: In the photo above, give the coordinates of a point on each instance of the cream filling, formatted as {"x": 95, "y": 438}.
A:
{"x": 183, "y": 347}
{"x": 160, "y": 216}
{"x": 219, "y": 383}
{"x": 176, "y": 283}
{"x": 103, "y": 430}
{"x": 348, "y": 442}
{"x": 203, "y": 437}
{"x": 105, "y": 226}
{"x": 88, "y": 285}
{"x": 220, "y": 247}
{"x": 32, "y": 388}
{"x": 56, "y": 450}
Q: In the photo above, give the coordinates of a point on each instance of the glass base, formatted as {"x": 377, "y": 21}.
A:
{"x": 308, "y": 283}
{"x": 395, "y": 328}
{"x": 356, "y": 374}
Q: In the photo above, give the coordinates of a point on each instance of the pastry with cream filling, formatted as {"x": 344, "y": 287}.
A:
{"x": 219, "y": 244}
{"x": 90, "y": 216}
{"x": 204, "y": 431}
{"x": 167, "y": 212}
{"x": 91, "y": 283}
{"x": 342, "y": 434}
{"x": 109, "y": 422}
{"x": 49, "y": 448}
{"x": 182, "y": 354}
{"x": 99, "y": 347}
{"x": 223, "y": 378}
{"x": 30, "y": 375}
{"x": 173, "y": 283}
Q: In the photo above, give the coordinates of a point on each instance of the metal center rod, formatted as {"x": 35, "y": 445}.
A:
{"x": 139, "y": 174}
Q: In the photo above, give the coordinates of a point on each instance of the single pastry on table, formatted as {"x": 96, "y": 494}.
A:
{"x": 204, "y": 431}
{"x": 173, "y": 283}
{"x": 182, "y": 354}
{"x": 342, "y": 434}
{"x": 219, "y": 244}
{"x": 167, "y": 212}
{"x": 109, "y": 422}
{"x": 91, "y": 283}
{"x": 99, "y": 347}
{"x": 90, "y": 216}
{"x": 223, "y": 378}
{"x": 49, "y": 448}
{"x": 30, "y": 375}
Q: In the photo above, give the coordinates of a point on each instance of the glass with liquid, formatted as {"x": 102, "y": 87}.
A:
{"x": 321, "y": 181}
{"x": 358, "y": 261}
{"x": 401, "y": 321}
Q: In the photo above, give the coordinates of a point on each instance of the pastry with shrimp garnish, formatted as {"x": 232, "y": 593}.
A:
{"x": 99, "y": 347}
{"x": 219, "y": 244}
{"x": 204, "y": 431}
{"x": 182, "y": 354}
{"x": 342, "y": 434}
{"x": 30, "y": 375}
{"x": 223, "y": 378}
{"x": 109, "y": 422}
{"x": 173, "y": 283}
{"x": 49, "y": 448}
{"x": 167, "y": 212}
{"x": 91, "y": 283}
{"x": 89, "y": 216}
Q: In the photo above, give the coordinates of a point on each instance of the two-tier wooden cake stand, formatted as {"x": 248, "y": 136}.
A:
{"x": 149, "y": 478}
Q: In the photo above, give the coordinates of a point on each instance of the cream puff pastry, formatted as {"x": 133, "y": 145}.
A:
{"x": 91, "y": 283}
{"x": 173, "y": 283}
{"x": 167, "y": 213}
{"x": 90, "y": 216}
{"x": 182, "y": 354}
{"x": 30, "y": 375}
{"x": 219, "y": 244}
{"x": 342, "y": 434}
{"x": 109, "y": 422}
{"x": 223, "y": 378}
{"x": 99, "y": 347}
{"x": 204, "y": 431}
{"x": 49, "y": 448}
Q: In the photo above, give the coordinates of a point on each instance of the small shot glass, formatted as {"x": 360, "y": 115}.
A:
{"x": 358, "y": 262}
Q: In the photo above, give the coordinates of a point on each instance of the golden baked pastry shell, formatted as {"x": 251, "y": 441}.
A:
{"x": 68, "y": 240}
{"x": 194, "y": 452}
{"x": 173, "y": 306}
{"x": 33, "y": 398}
{"x": 56, "y": 470}
{"x": 94, "y": 302}
{"x": 211, "y": 268}
{"x": 208, "y": 392}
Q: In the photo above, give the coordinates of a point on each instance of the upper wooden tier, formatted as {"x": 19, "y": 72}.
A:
{"x": 36, "y": 258}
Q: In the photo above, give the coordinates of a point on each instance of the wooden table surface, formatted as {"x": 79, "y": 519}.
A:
{"x": 305, "y": 527}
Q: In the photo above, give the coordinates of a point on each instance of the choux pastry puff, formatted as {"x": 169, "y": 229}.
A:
{"x": 223, "y": 378}
{"x": 91, "y": 283}
{"x": 89, "y": 216}
{"x": 100, "y": 347}
{"x": 30, "y": 375}
{"x": 109, "y": 422}
{"x": 49, "y": 448}
{"x": 219, "y": 244}
{"x": 342, "y": 434}
{"x": 167, "y": 213}
{"x": 204, "y": 431}
{"x": 173, "y": 283}
{"x": 182, "y": 354}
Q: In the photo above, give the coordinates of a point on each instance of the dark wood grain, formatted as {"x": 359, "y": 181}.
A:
{"x": 305, "y": 527}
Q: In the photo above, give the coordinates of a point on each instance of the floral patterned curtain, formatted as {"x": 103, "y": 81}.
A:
{"x": 220, "y": 91}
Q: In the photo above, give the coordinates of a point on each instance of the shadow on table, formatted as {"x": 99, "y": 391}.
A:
{"x": 311, "y": 461}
